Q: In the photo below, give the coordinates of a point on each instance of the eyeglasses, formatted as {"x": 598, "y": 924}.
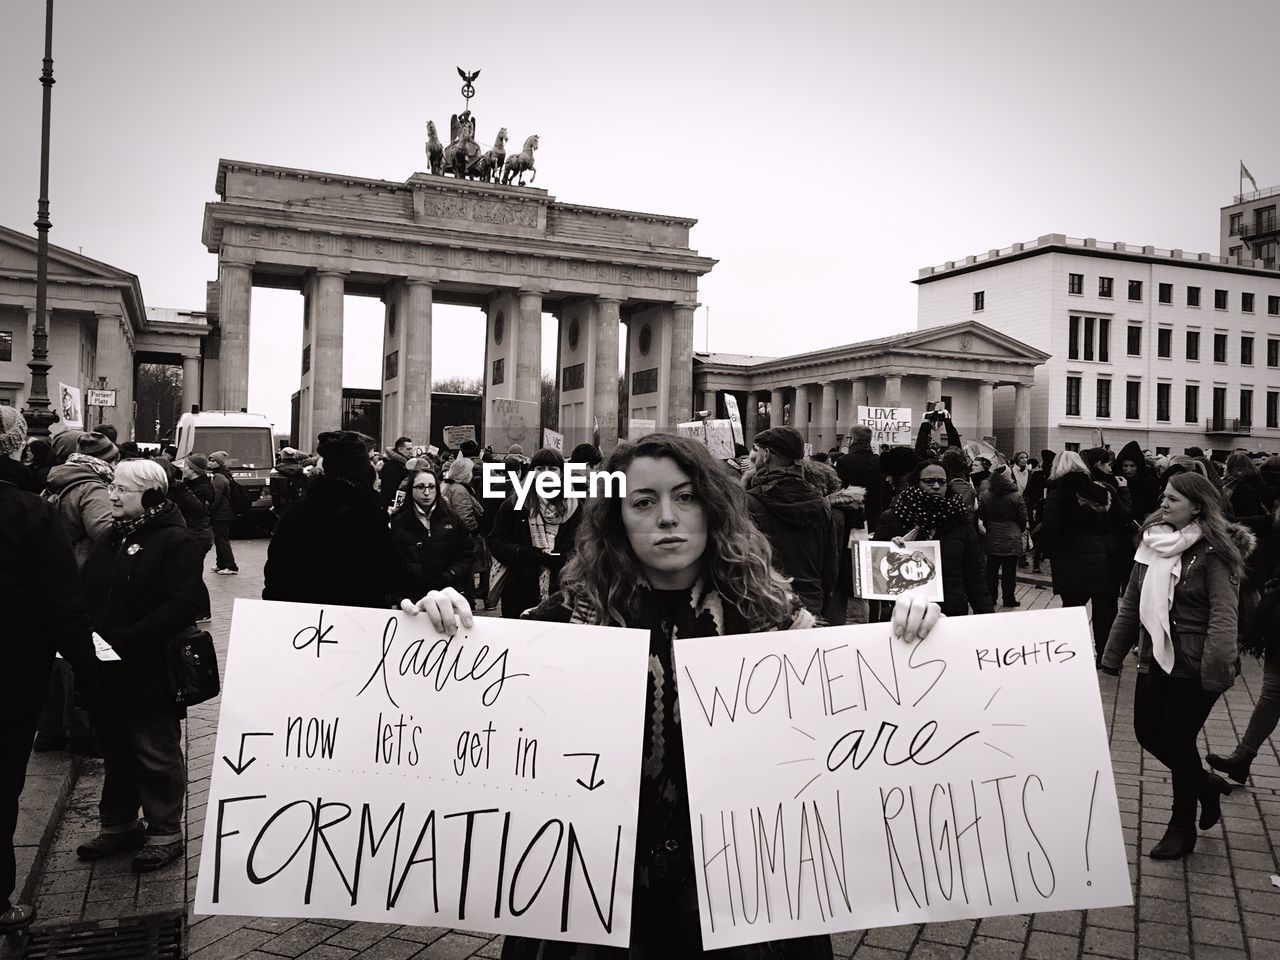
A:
{"x": 934, "y": 481}
{"x": 117, "y": 489}
{"x": 424, "y": 486}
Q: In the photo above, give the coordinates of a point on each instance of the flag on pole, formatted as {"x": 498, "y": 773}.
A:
{"x": 1244, "y": 173}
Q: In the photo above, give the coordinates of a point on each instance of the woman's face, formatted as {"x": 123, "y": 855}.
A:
{"x": 424, "y": 490}
{"x": 933, "y": 480}
{"x": 917, "y": 571}
{"x": 126, "y": 501}
{"x": 665, "y": 523}
{"x": 1129, "y": 468}
{"x": 1178, "y": 510}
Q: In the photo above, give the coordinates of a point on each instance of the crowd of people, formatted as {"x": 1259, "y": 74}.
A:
{"x": 1176, "y": 557}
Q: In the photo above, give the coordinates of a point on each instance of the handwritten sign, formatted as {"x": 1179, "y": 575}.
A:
{"x": 716, "y": 435}
{"x": 369, "y": 768}
{"x": 512, "y": 421}
{"x": 735, "y": 418}
{"x": 456, "y": 436}
{"x": 552, "y": 439}
{"x": 840, "y": 779}
{"x": 890, "y": 426}
{"x": 637, "y": 428}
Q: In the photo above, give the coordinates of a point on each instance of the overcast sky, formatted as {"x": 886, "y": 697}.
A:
{"x": 828, "y": 149}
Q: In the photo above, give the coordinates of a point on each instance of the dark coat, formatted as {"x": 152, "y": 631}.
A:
{"x": 511, "y": 545}
{"x": 1073, "y": 534}
{"x": 1004, "y": 515}
{"x": 964, "y": 568}
{"x": 1249, "y": 497}
{"x": 334, "y": 547}
{"x": 143, "y": 589}
{"x": 391, "y": 476}
{"x": 41, "y": 601}
{"x": 861, "y": 468}
{"x": 194, "y": 499}
{"x": 221, "y": 509}
{"x": 437, "y": 556}
{"x": 287, "y": 484}
{"x": 797, "y": 522}
{"x": 1142, "y": 491}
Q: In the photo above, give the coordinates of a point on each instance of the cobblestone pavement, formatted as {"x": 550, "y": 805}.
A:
{"x": 1220, "y": 903}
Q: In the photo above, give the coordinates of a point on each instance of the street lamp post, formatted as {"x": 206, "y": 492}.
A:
{"x": 37, "y": 413}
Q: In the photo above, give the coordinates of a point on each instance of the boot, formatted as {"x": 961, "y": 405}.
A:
{"x": 1236, "y": 766}
{"x": 109, "y": 844}
{"x": 1211, "y": 794}
{"x": 1176, "y": 843}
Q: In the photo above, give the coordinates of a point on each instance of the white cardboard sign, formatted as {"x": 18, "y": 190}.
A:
{"x": 842, "y": 780}
{"x": 884, "y": 571}
{"x": 456, "y": 436}
{"x": 369, "y": 768}
{"x": 890, "y": 426}
{"x": 735, "y": 418}
{"x": 552, "y": 439}
{"x": 69, "y": 407}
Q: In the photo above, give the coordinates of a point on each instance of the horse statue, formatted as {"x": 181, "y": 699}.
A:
{"x": 435, "y": 151}
{"x": 518, "y": 165}
{"x": 462, "y": 150}
{"x": 489, "y": 165}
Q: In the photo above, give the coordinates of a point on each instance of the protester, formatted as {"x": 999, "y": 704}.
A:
{"x": 587, "y": 454}
{"x": 395, "y": 465}
{"x": 1037, "y": 490}
{"x": 959, "y": 470}
{"x": 456, "y": 492}
{"x": 144, "y": 587}
{"x": 793, "y": 516}
{"x": 1004, "y": 516}
{"x": 679, "y": 558}
{"x": 1142, "y": 485}
{"x": 1243, "y": 489}
{"x": 535, "y": 541}
{"x": 1180, "y": 611}
{"x": 861, "y": 468}
{"x": 35, "y": 457}
{"x": 334, "y": 545}
{"x": 43, "y": 611}
{"x": 433, "y": 539}
{"x": 222, "y": 515}
{"x": 107, "y": 430}
{"x": 1021, "y": 472}
{"x": 193, "y": 495}
{"x": 1121, "y": 530}
{"x": 288, "y": 483}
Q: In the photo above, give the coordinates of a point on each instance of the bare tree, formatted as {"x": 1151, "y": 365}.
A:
{"x": 550, "y": 403}
{"x": 470, "y": 385}
{"x": 158, "y": 396}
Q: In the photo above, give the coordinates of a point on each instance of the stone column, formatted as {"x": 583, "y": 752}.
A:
{"x": 826, "y": 437}
{"x": 709, "y": 402}
{"x": 235, "y": 291}
{"x": 115, "y": 362}
{"x": 932, "y": 391}
{"x": 777, "y": 403}
{"x": 680, "y": 366}
{"x": 750, "y": 418}
{"x": 892, "y": 391}
{"x": 604, "y": 387}
{"x": 190, "y": 383}
{"x": 1021, "y": 417}
{"x": 800, "y": 411}
{"x": 986, "y": 425}
{"x": 326, "y": 354}
{"x": 857, "y": 398}
{"x": 528, "y": 356}
{"x": 415, "y": 362}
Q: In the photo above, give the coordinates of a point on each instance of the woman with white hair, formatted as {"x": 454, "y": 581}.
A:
{"x": 143, "y": 586}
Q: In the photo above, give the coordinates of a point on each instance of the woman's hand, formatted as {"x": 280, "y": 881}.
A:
{"x": 913, "y": 618}
{"x": 444, "y": 608}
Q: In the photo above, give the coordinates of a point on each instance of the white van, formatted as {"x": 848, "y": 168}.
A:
{"x": 248, "y": 441}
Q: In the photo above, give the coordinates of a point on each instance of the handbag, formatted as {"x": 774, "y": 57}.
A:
{"x": 497, "y": 579}
{"x": 192, "y": 662}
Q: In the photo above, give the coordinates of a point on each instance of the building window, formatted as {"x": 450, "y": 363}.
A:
{"x": 1103, "y": 406}
{"x": 1193, "y": 345}
{"x": 499, "y": 371}
{"x": 306, "y": 359}
{"x": 6, "y": 345}
{"x": 1246, "y": 351}
{"x": 1191, "y": 403}
{"x": 1219, "y": 348}
{"x": 979, "y": 300}
{"x": 1104, "y": 340}
{"x": 1088, "y": 338}
{"x": 1075, "y": 283}
{"x": 1233, "y": 228}
{"x": 1166, "y": 293}
{"x": 1104, "y": 287}
{"x": 1236, "y": 254}
{"x": 1073, "y": 338}
{"x": 1132, "y": 399}
{"x": 1133, "y": 345}
{"x": 1266, "y": 252}
{"x": 391, "y": 369}
{"x": 1162, "y": 451}
{"x": 1219, "y": 299}
{"x": 1246, "y": 408}
{"x": 1246, "y": 303}
{"x": 1164, "y": 343}
{"x": 574, "y": 377}
{"x": 1273, "y": 305}
{"x": 1162, "y": 402}
{"x": 1219, "y": 406}
{"x": 1273, "y": 409}
{"x": 1073, "y": 396}
{"x": 1073, "y": 446}
{"x": 1135, "y": 290}
{"x": 1273, "y": 353}
{"x": 644, "y": 381}
{"x": 1193, "y": 296}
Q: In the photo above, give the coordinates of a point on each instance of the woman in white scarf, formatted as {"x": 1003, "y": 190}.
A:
{"x": 1180, "y": 610}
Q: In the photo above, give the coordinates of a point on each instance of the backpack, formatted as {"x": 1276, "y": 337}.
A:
{"x": 237, "y": 496}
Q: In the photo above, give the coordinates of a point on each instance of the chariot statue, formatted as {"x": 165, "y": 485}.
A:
{"x": 464, "y": 158}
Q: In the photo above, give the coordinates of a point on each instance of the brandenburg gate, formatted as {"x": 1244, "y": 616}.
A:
{"x": 514, "y": 251}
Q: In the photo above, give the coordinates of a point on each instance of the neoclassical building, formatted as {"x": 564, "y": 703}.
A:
{"x": 968, "y": 366}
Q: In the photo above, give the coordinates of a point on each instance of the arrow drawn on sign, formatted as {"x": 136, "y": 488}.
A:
{"x": 594, "y": 763}
{"x": 241, "y": 765}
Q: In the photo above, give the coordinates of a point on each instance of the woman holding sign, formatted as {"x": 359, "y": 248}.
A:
{"x": 677, "y": 556}
{"x": 1180, "y": 611}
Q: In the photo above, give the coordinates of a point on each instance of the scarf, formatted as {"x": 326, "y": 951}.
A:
{"x": 1161, "y": 550}
{"x": 100, "y": 467}
{"x": 545, "y": 521}
{"x": 915, "y": 508}
{"x": 128, "y": 527}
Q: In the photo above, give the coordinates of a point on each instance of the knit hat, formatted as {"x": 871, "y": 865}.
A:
{"x": 218, "y": 458}
{"x": 198, "y": 462}
{"x": 97, "y": 445}
{"x": 289, "y": 455}
{"x": 515, "y": 450}
{"x": 345, "y": 455}
{"x": 460, "y": 470}
{"x": 130, "y": 451}
{"x": 784, "y": 441}
{"x": 13, "y": 430}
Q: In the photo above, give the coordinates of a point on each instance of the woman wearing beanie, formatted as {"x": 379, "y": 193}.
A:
{"x": 1180, "y": 611}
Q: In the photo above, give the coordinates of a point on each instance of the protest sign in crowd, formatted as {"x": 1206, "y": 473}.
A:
{"x": 588, "y": 718}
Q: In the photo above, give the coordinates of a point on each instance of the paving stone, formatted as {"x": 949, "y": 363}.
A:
{"x": 453, "y": 946}
{"x": 894, "y": 938}
{"x": 298, "y": 940}
{"x": 1005, "y": 928}
{"x": 327, "y": 951}
{"x": 957, "y": 932}
{"x": 421, "y": 934}
{"x": 389, "y": 948}
{"x": 236, "y": 944}
{"x": 358, "y": 936}
{"x": 1042, "y": 945}
{"x": 1165, "y": 936}
{"x": 990, "y": 948}
{"x": 1109, "y": 943}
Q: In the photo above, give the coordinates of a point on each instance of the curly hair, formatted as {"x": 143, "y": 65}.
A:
{"x": 896, "y": 559}
{"x": 1215, "y": 528}
{"x": 605, "y": 576}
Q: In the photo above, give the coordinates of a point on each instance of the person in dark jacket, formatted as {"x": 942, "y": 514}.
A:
{"x": 288, "y": 483}
{"x": 222, "y": 514}
{"x": 1243, "y": 488}
{"x": 1003, "y": 515}
{"x": 433, "y": 539}
{"x": 193, "y": 495}
{"x": 43, "y": 611}
{"x": 922, "y": 511}
{"x": 793, "y": 516}
{"x": 1121, "y": 529}
{"x": 35, "y": 457}
{"x": 394, "y": 466}
{"x": 534, "y": 541}
{"x": 1034, "y": 495}
{"x": 1142, "y": 486}
{"x": 334, "y": 545}
{"x": 861, "y": 468}
{"x": 144, "y": 588}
